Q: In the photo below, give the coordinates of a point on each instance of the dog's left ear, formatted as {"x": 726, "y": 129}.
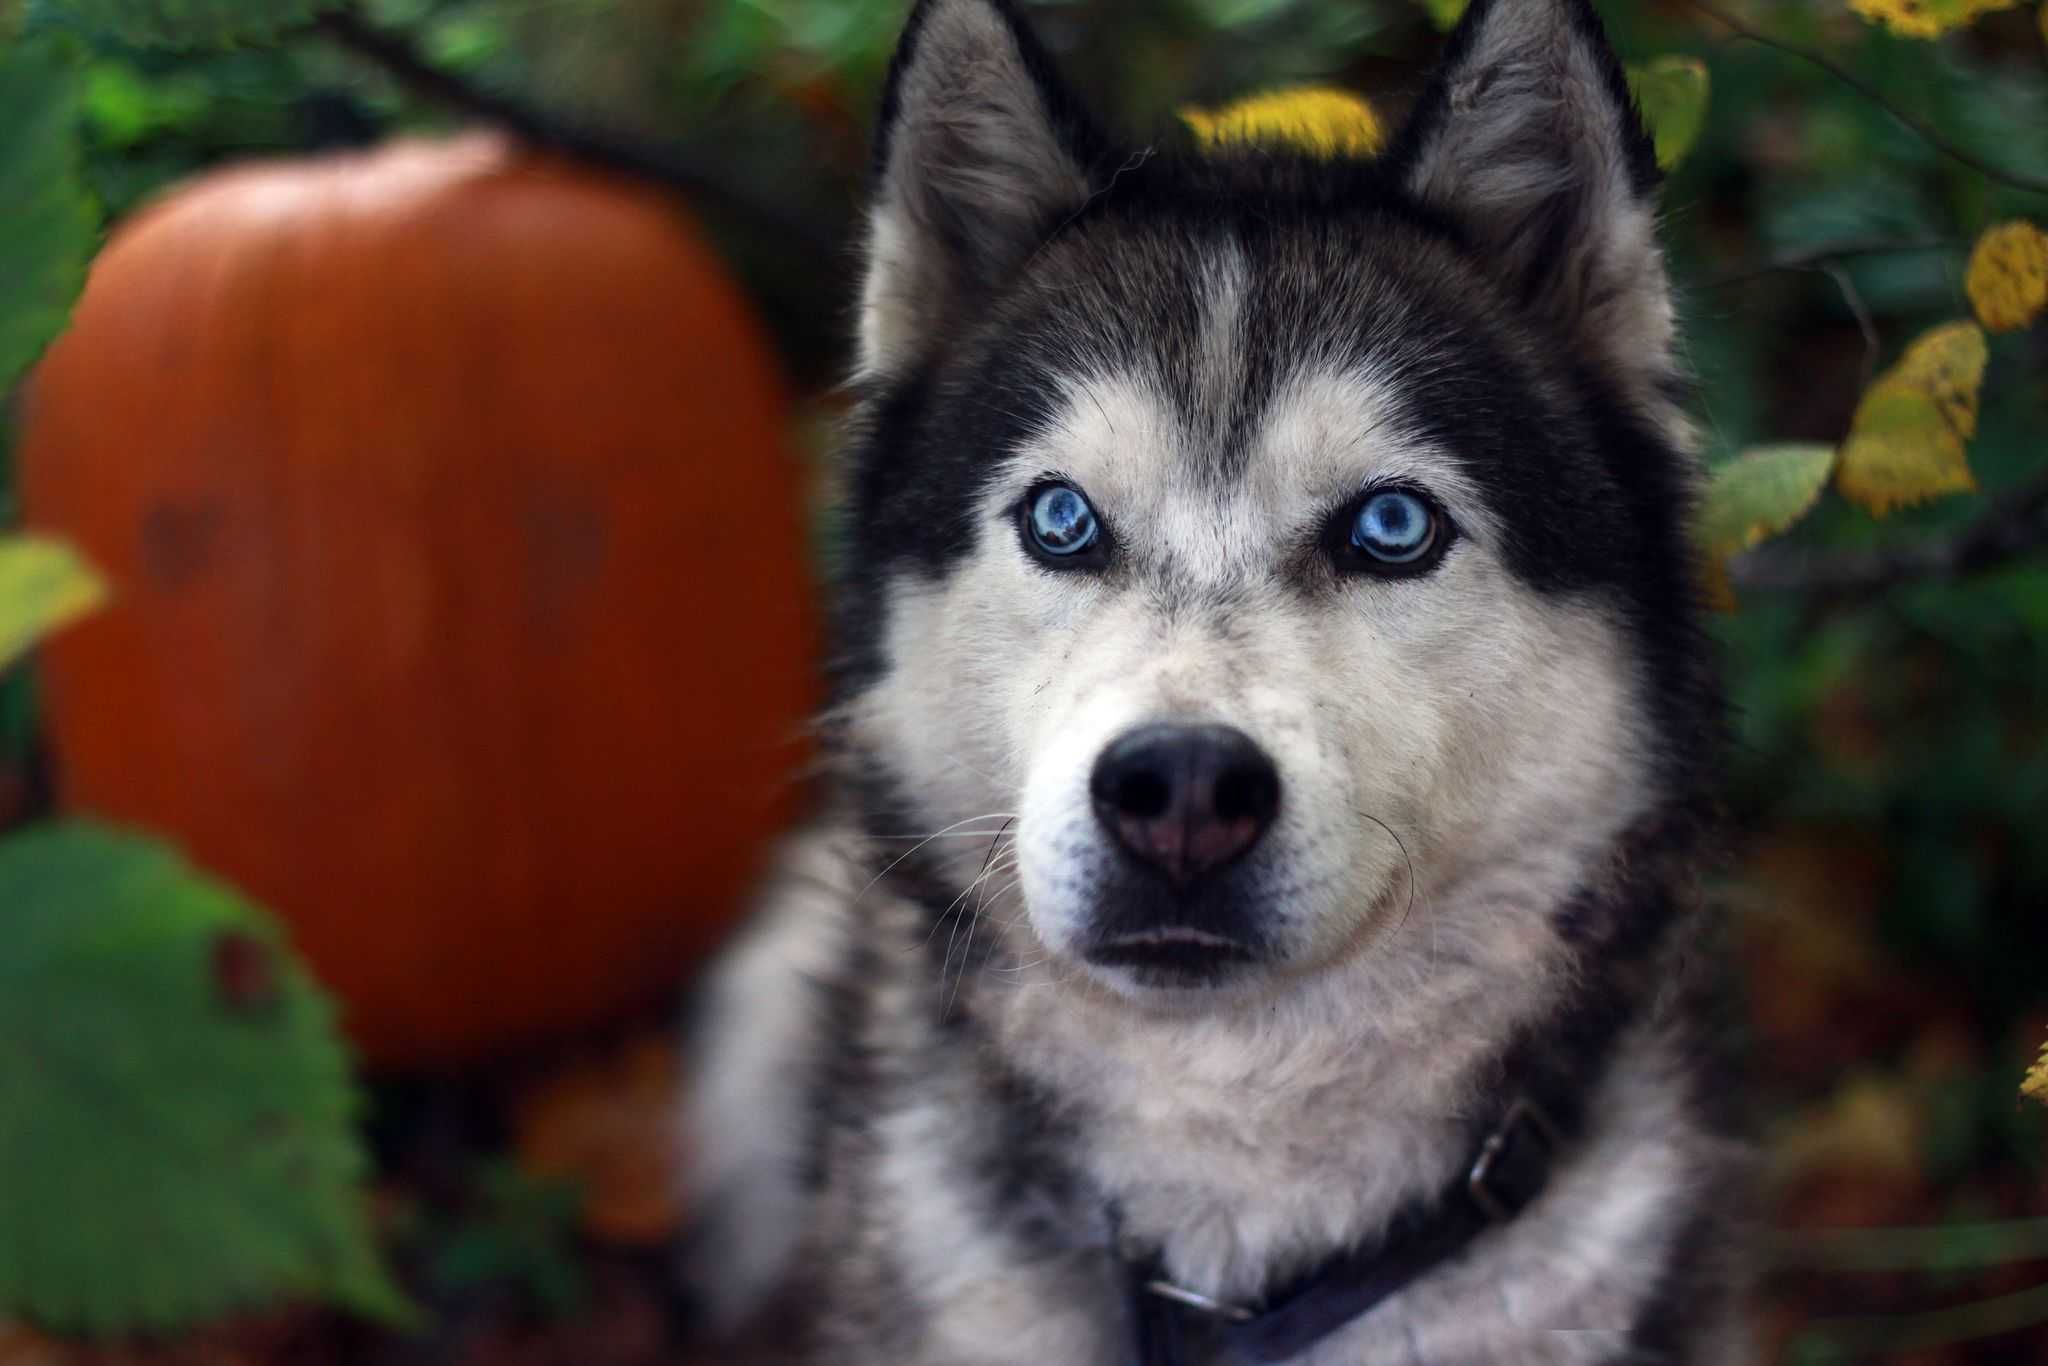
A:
{"x": 1528, "y": 139}
{"x": 980, "y": 151}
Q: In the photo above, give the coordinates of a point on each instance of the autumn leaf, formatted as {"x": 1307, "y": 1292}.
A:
{"x": 1315, "y": 119}
{"x": 23, "y": 1346}
{"x": 44, "y": 584}
{"x": 2036, "y": 1084}
{"x": 608, "y": 1126}
{"x": 1761, "y": 493}
{"x": 2008, "y": 278}
{"x": 1926, "y": 18}
{"x": 1755, "y": 496}
{"x": 1672, "y": 93}
{"x": 1908, "y": 441}
{"x": 1871, "y": 1124}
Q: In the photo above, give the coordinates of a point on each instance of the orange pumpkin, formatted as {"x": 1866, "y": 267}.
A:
{"x": 463, "y": 611}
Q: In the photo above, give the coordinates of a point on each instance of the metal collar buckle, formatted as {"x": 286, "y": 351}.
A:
{"x": 1193, "y": 1299}
{"x": 1522, "y": 1115}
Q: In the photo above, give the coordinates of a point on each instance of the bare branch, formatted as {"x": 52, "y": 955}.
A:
{"x": 1919, "y": 127}
{"x": 2012, "y": 527}
{"x": 606, "y": 150}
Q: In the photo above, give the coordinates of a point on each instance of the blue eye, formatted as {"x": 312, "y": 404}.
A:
{"x": 1394, "y": 528}
{"x": 1059, "y": 522}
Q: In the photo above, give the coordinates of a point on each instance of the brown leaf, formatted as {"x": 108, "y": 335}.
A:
{"x": 610, "y": 1125}
{"x": 20, "y": 1346}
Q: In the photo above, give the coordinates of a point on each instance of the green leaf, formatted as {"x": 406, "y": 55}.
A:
{"x": 124, "y": 108}
{"x": 176, "y": 1114}
{"x": 1760, "y": 494}
{"x": 48, "y": 225}
{"x": 44, "y": 584}
{"x": 196, "y": 23}
{"x": 1672, "y": 92}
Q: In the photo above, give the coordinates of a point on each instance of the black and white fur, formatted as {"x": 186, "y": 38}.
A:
{"x": 928, "y": 1117}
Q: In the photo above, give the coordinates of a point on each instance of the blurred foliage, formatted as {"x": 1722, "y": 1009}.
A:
{"x": 1889, "y": 777}
{"x": 46, "y": 234}
{"x": 183, "y": 1143}
{"x": 519, "y": 1233}
{"x": 194, "y": 23}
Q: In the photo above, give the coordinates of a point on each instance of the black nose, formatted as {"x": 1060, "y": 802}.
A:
{"x": 1185, "y": 799}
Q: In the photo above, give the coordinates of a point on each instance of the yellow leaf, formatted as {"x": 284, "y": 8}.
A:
{"x": 1908, "y": 441}
{"x": 1926, "y": 18}
{"x": 44, "y": 584}
{"x": 1871, "y": 1124}
{"x": 2036, "y": 1084}
{"x": 1313, "y": 119}
{"x": 2008, "y": 279}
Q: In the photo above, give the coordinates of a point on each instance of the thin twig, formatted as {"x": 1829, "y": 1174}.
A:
{"x": 1833, "y": 254}
{"x": 1919, "y": 127}
{"x": 2012, "y": 527}
{"x": 605, "y": 149}
{"x": 1865, "y": 324}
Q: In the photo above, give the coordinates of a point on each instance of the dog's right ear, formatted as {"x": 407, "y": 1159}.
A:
{"x": 980, "y": 151}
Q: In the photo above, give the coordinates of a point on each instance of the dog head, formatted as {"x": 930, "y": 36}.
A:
{"x": 1247, "y": 554}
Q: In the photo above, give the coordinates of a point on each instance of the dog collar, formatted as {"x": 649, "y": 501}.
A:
{"x": 1174, "y": 1326}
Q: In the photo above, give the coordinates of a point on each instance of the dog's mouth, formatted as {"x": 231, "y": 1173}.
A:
{"x": 1172, "y": 955}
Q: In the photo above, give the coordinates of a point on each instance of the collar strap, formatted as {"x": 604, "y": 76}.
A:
{"x": 1173, "y": 1326}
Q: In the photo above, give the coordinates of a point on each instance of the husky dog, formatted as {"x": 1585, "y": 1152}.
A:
{"x": 1272, "y": 746}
